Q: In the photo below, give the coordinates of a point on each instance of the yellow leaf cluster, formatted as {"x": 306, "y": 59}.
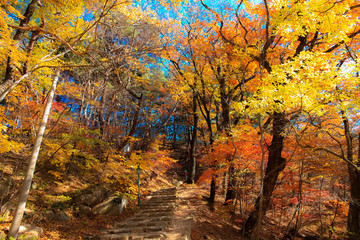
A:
{"x": 307, "y": 82}
{"x": 6, "y": 144}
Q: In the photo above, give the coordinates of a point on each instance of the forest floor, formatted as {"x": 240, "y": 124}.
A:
{"x": 207, "y": 223}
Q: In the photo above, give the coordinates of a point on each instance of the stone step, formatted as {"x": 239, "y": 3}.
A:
{"x": 141, "y": 229}
{"x": 159, "y": 203}
{"x": 159, "y": 207}
{"x": 162, "y": 195}
{"x": 164, "y": 203}
{"x": 139, "y": 236}
{"x": 151, "y": 212}
{"x": 166, "y": 189}
{"x": 142, "y": 224}
{"x": 155, "y": 215}
{"x": 160, "y": 199}
{"x": 154, "y": 210}
{"x": 155, "y": 206}
{"x": 144, "y": 219}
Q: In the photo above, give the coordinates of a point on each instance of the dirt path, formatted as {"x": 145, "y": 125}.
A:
{"x": 193, "y": 211}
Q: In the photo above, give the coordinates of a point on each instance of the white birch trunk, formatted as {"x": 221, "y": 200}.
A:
{"x": 25, "y": 188}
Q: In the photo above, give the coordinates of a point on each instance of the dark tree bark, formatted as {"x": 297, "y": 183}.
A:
{"x": 203, "y": 101}
{"x": 212, "y": 190}
{"x": 34, "y": 37}
{"x": 276, "y": 163}
{"x": 226, "y": 127}
{"x": 9, "y": 74}
{"x": 230, "y": 193}
{"x": 225, "y": 106}
{"x": 353, "y": 225}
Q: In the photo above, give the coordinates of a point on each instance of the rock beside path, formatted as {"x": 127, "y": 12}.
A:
{"x": 30, "y": 231}
{"x": 57, "y": 216}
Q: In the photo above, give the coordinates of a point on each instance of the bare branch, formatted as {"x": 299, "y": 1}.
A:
{"x": 342, "y": 42}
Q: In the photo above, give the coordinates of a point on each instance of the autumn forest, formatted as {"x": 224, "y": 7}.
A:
{"x": 256, "y": 102}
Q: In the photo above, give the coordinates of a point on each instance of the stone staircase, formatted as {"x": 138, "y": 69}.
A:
{"x": 151, "y": 223}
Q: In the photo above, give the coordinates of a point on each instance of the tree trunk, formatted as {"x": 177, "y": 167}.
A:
{"x": 275, "y": 165}
{"x": 226, "y": 127}
{"x": 257, "y": 227}
{"x": 225, "y": 183}
{"x": 9, "y": 83}
{"x": 101, "y": 115}
{"x": 225, "y": 106}
{"x": 9, "y": 74}
{"x": 353, "y": 225}
{"x": 134, "y": 124}
{"x": 34, "y": 37}
{"x": 193, "y": 141}
{"x": 354, "y": 205}
{"x": 25, "y": 188}
{"x": 212, "y": 190}
{"x": 213, "y": 179}
{"x": 175, "y": 135}
{"x": 231, "y": 183}
{"x": 206, "y": 113}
